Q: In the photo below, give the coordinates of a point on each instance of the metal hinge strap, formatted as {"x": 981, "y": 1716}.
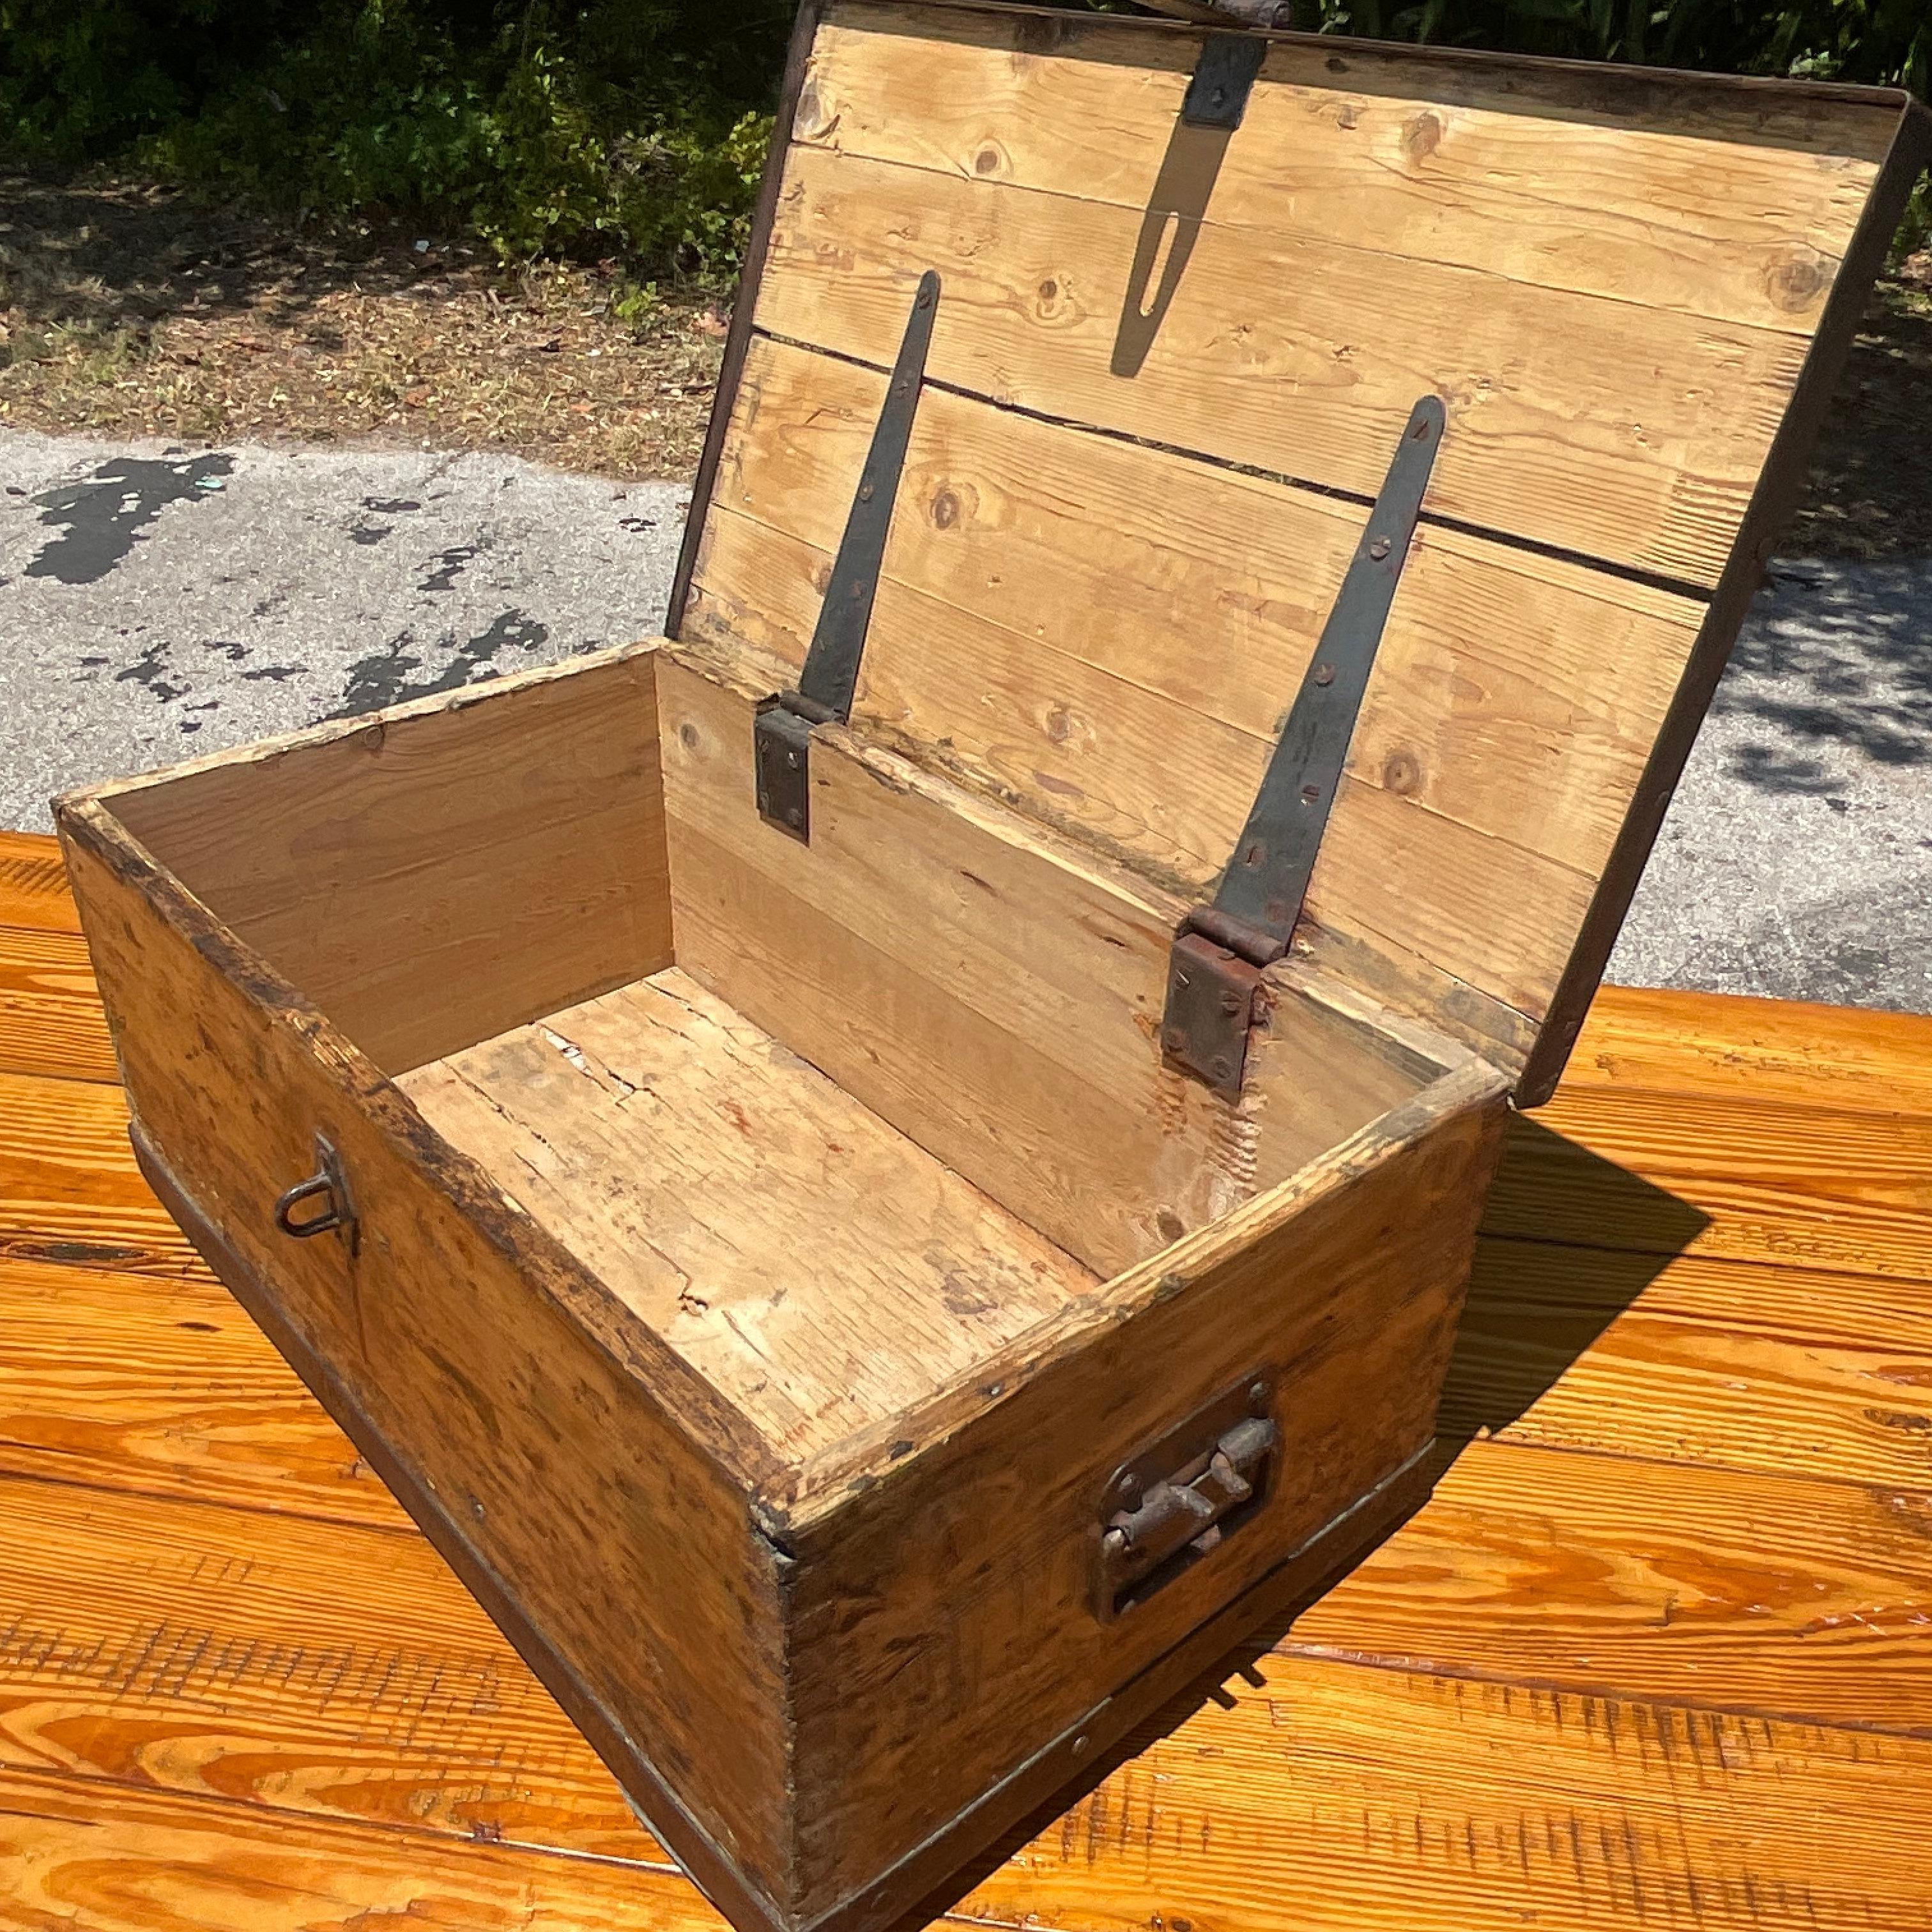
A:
{"x": 1215, "y": 968}
{"x": 829, "y": 679}
{"x": 1223, "y": 78}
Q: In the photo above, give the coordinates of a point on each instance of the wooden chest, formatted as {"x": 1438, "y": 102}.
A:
{"x": 888, "y": 1176}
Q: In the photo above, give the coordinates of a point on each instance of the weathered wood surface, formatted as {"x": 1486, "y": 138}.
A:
{"x": 823, "y": 1271}
{"x": 1659, "y": 1649}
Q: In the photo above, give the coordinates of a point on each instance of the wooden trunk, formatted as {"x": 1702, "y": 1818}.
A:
{"x": 782, "y": 1274}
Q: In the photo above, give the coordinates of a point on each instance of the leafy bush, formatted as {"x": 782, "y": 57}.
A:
{"x": 635, "y": 128}
{"x": 1871, "y": 40}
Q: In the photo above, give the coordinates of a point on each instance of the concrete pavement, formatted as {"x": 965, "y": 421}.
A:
{"x": 156, "y": 603}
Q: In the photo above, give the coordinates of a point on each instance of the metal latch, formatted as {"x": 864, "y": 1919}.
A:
{"x": 782, "y": 731}
{"x": 1219, "y": 949}
{"x": 1178, "y": 1501}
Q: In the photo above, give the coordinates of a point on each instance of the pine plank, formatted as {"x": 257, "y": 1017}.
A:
{"x": 1741, "y": 1179}
{"x": 1674, "y": 1584}
{"x": 50, "y": 1018}
{"x": 166, "y": 1388}
{"x": 33, "y": 884}
{"x": 69, "y": 1191}
{"x": 76, "y": 1853}
{"x": 1852, "y": 1058}
{"x": 1730, "y": 1364}
{"x": 1408, "y": 157}
{"x": 324, "y": 1670}
{"x": 1332, "y": 1798}
{"x": 1631, "y": 435}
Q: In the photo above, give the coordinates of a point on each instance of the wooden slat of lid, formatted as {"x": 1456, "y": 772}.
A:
{"x": 1112, "y": 634}
{"x": 1612, "y": 420}
{"x": 1741, "y": 215}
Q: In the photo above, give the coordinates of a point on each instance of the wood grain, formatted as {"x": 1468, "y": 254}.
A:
{"x": 74, "y": 1852}
{"x": 989, "y": 989}
{"x": 166, "y": 1388}
{"x": 1039, "y": 631}
{"x": 821, "y": 1269}
{"x": 33, "y": 884}
{"x": 1625, "y": 434}
{"x": 1730, "y": 1365}
{"x": 70, "y": 1192}
{"x": 325, "y": 1670}
{"x": 458, "y": 1336}
{"x": 51, "y": 1023}
{"x": 1712, "y": 1044}
{"x": 1715, "y": 216}
{"x": 1329, "y": 1796}
{"x": 1339, "y": 1290}
{"x": 455, "y": 867}
{"x": 1737, "y": 1179}
{"x": 1769, "y": 1595}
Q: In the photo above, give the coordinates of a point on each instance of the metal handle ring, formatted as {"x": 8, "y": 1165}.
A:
{"x": 317, "y": 1185}
{"x": 329, "y": 1184}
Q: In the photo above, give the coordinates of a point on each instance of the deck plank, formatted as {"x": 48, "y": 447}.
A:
{"x": 1853, "y": 1059}
{"x": 33, "y": 884}
{"x": 1605, "y": 1576}
{"x": 73, "y": 1852}
{"x": 1746, "y": 1181}
{"x": 318, "y": 1669}
{"x": 1329, "y": 1797}
{"x": 69, "y": 1191}
{"x": 165, "y": 1387}
{"x": 1683, "y": 1360}
{"x": 51, "y": 1023}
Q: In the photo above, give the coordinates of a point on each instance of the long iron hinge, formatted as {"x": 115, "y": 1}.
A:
{"x": 1214, "y": 970}
{"x": 781, "y": 732}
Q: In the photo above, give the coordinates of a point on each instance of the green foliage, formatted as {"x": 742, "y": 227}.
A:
{"x": 626, "y": 128}
{"x": 1871, "y": 40}
{"x": 635, "y": 128}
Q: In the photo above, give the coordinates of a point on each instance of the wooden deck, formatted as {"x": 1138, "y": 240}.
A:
{"x": 1658, "y": 1651}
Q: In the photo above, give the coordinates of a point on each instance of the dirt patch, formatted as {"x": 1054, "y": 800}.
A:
{"x": 127, "y": 309}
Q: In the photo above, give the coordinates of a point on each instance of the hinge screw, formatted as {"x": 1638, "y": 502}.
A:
{"x": 1324, "y": 673}
{"x": 791, "y": 759}
{"x": 1221, "y": 1067}
{"x": 1174, "y": 1039}
{"x": 866, "y": 490}
{"x": 1311, "y": 794}
{"x": 1379, "y": 548}
{"x": 1258, "y": 1396}
{"x": 1231, "y": 1004}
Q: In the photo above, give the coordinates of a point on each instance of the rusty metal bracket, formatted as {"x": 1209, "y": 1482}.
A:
{"x": 1177, "y": 1502}
{"x": 1220, "y": 950}
{"x": 1224, "y": 77}
{"x": 781, "y": 730}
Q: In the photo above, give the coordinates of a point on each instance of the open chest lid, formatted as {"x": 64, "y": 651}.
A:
{"x": 1171, "y": 308}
